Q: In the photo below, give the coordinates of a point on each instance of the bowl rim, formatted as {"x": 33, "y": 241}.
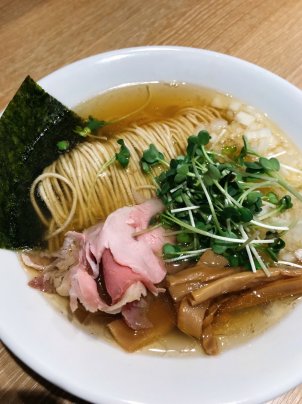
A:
{"x": 170, "y": 48}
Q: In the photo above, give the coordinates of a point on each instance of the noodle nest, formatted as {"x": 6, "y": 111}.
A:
{"x": 78, "y": 194}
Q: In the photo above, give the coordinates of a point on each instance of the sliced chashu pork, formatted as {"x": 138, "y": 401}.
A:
{"x": 130, "y": 264}
{"x": 137, "y": 253}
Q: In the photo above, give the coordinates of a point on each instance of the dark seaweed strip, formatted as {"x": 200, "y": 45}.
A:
{"x": 30, "y": 129}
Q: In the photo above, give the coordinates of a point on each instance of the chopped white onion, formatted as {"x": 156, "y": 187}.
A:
{"x": 262, "y": 140}
{"x": 218, "y": 124}
{"x": 298, "y": 254}
{"x": 235, "y": 106}
{"x": 220, "y": 101}
{"x": 244, "y": 118}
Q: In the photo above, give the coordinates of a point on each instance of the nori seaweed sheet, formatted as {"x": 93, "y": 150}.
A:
{"x": 30, "y": 128}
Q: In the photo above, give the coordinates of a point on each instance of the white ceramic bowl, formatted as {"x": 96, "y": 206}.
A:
{"x": 89, "y": 367}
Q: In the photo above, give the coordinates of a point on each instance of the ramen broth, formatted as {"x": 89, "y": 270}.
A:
{"x": 154, "y": 101}
{"x": 231, "y": 329}
{"x": 144, "y": 102}
{"x": 141, "y": 103}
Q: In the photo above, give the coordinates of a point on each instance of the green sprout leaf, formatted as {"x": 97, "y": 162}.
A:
{"x": 214, "y": 172}
{"x": 253, "y": 197}
{"x": 82, "y": 131}
{"x": 203, "y": 138}
{"x": 152, "y": 155}
{"x": 182, "y": 171}
{"x": 246, "y": 215}
{"x": 184, "y": 238}
{"x": 170, "y": 250}
{"x": 274, "y": 249}
{"x": 145, "y": 167}
{"x": 63, "y": 145}
{"x": 93, "y": 124}
{"x": 272, "y": 198}
{"x": 285, "y": 202}
{"x": 238, "y": 215}
{"x": 253, "y": 166}
{"x": 271, "y": 164}
{"x": 123, "y": 156}
{"x": 192, "y": 146}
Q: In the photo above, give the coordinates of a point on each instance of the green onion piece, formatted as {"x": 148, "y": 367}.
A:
{"x": 63, "y": 145}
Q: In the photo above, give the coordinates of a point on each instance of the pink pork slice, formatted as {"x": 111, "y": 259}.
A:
{"x": 117, "y": 277}
{"x": 129, "y": 263}
{"x": 138, "y": 253}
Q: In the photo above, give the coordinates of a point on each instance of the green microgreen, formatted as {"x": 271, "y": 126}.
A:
{"x": 63, "y": 145}
{"x": 284, "y": 203}
{"x": 274, "y": 249}
{"x": 271, "y": 164}
{"x": 271, "y": 197}
{"x": 170, "y": 250}
{"x": 152, "y": 157}
{"x": 216, "y": 201}
{"x": 122, "y": 157}
{"x": 91, "y": 126}
{"x": 184, "y": 238}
